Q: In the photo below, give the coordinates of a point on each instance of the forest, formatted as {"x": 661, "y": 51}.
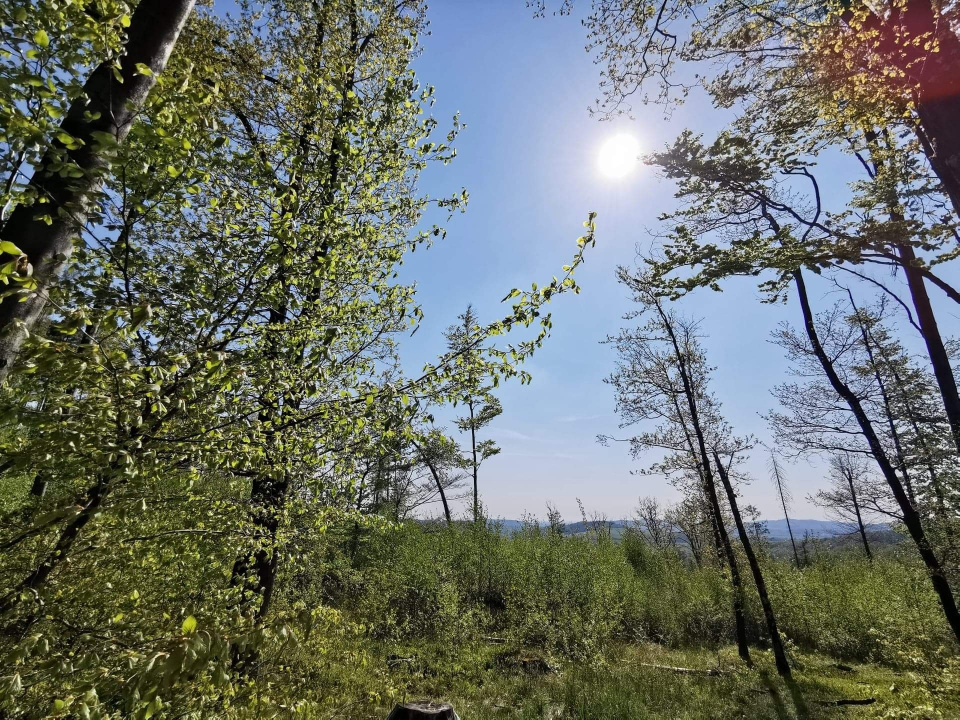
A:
{"x": 229, "y": 489}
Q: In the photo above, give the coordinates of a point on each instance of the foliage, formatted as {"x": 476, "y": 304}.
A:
{"x": 220, "y": 370}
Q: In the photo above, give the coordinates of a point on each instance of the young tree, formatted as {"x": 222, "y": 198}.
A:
{"x": 442, "y": 457}
{"x": 482, "y": 406}
{"x": 692, "y": 519}
{"x": 654, "y": 523}
{"x": 783, "y": 492}
{"x": 851, "y": 480}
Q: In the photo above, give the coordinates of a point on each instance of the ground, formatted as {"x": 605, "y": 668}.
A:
{"x": 491, "y": 681}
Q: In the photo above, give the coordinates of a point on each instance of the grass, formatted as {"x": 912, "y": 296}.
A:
{"x": 497, "y": 682}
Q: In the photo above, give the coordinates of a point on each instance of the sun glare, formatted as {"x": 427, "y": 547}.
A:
{"x": 618, "y": 156}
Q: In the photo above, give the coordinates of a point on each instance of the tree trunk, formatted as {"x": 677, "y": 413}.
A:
{"x": 739, "y": 618}
{"x": 89, "y": 507}
{"x": 711, "y": 490}
{"x": 931, "y": 78}
{"x": 938, "y": 97}
{"x": 473, "y": 446}
{"x": 856, "y": 509}
{"x": 39, "y": 486}
{"x": 884, "y": 395}
{"x": 154, "y": 29}
{"x": 256, "y": 574}
{"x": 942, "y": 370}
{"x": 783, "y": 667}
{"x": 783, "y": 502}
{"x": 911, "y": 518}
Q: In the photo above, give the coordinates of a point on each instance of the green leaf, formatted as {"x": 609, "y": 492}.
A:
{"x": 9, "y": 248}
{"x": 41, "y": 38}
{"x": 189, "y": 625}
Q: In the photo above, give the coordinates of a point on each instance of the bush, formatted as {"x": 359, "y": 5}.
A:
{"x": 572, "y": 596}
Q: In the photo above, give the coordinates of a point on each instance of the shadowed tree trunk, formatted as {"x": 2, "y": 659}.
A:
{"x": 942, "y": 370}
{"x": 476, "y": 467}
{"x": 856, "y": 510}
{"x": 783, "y": 667}
{"x": 710, "y": 488}
{"x": 110, "y": 106}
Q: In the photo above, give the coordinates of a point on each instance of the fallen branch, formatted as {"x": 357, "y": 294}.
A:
{"x": 683, "y": 670}
{"x": 837, "y": 703}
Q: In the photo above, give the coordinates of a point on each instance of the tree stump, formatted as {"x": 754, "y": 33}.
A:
{"x": 423, "y": 710}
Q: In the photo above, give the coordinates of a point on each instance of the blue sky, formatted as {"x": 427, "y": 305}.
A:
{"x": 528, "y": 160}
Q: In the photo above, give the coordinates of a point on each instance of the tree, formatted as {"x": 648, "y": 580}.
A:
{"x": 654, "y": 523}
{"x": 442, "y": 457}
{"x": 662, "y": 377}
{"x": 811, "y": 78}
{"x": 223, "y": 361}
{"x": 850, "y": 476}
{"x": 693, "y": 519}
{"x": 726, "y": 192}
{"x": 53, "y": 207}
{"x": 783, "y": 492}
{"x": 848, "y": 67}
{"x": 482, "y": 406}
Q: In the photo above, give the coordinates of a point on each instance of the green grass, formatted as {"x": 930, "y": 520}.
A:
{"x": 490, "y": 681}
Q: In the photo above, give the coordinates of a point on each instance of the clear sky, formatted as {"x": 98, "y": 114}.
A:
{"x": 529, "y": 161}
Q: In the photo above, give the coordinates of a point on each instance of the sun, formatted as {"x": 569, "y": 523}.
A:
{"x": 618, "y": 156}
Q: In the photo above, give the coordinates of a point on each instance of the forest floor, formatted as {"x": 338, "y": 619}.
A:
{"x": 646, "y": 681}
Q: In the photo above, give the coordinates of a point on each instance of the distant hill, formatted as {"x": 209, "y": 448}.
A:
{"x": 776, "y": 529}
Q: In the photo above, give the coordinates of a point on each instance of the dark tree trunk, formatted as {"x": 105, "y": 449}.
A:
{"x": 856, "y": 510}
{"x": 911, "y": 519}
{"x": 942, "y": 370}
{"x": 938, "y": 97}
{"x": 39, "y": 486}
{"x": 783, "y": 667}
{"x": 256, "y": 573}
{"x": 473, "y": 446}
{"x": 711, "y": 490}
{"x": 154, "y": 29}
{"x": 740, "y": 624}
{"x": 931, "y": 78}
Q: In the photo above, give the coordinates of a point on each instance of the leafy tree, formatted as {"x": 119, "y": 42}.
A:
{"x": 69, "y": 160}
{"x": 482, "y": 406}
{"x": 807, "y": 80}
{"x": 223, "y": 364}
